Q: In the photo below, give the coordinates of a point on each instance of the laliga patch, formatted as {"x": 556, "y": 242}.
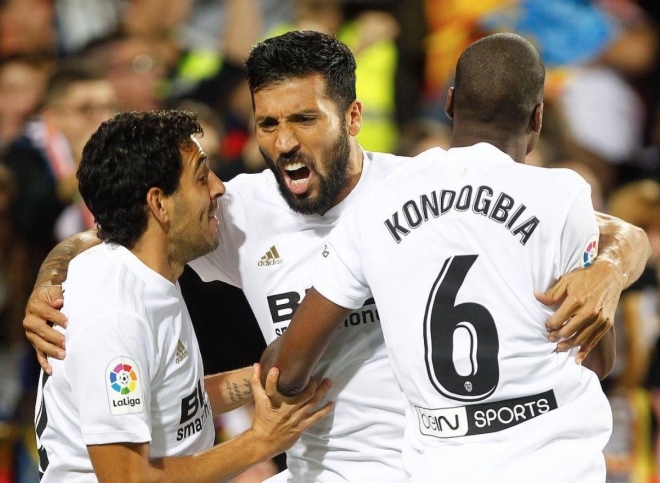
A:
{"x": 123, "y": 384}
{"x": 590, "y": 251}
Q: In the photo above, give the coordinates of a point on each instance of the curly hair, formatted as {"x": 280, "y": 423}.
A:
{"x": 127, "y": 156}
{"x": 301, "y": 54}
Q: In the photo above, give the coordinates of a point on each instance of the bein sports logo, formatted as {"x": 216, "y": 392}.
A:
{"x": 123, "y": 379}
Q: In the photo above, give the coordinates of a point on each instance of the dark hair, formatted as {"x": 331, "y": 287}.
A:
{"x": 301, "y": 54}
{"x": 67, "y": 74}
{"x": 499, "y": 81}
{"x": 128, "y": 155}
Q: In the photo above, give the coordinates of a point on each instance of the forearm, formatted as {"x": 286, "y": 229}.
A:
{"x": 297, "y": 352}
{"x": 229, "y": 390}
{"x": 130, "y": 463}
{"x": 624, "y": 247}
{"x": 218, "y": 464}
{"x": 56, "y": 265}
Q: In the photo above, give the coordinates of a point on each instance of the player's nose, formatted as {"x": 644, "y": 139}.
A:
{"x": 216, "y": 187}
{"x": 286, "y": 139}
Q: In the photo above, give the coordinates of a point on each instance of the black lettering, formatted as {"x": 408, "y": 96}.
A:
{"x": 503, "y": 205}
{"x": 414, "y": 219}
{"x": 445, "y": 206}
{"x": 442, "y": 418}
{"x": 366, "y": 313}
{"x": 189, "y": 407}
{"x": 515, "y": 216}
{"x": 395, "y": 228}
{"x": 526, "y": 228}
{"x": 179, "y": 435}
{"x": 283, "y": 306}
{"x": 430, "y": 204}
{"x": 481, "y": 204}
{"x": 464, "y": 199}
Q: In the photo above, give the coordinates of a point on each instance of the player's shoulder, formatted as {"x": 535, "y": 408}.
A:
{"x": 385, "y": 166}
{"x": 558, "y": 180}
{"x": 252, "y": 188}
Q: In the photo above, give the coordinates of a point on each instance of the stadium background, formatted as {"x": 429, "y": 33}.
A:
{"x": 602, "y": 120}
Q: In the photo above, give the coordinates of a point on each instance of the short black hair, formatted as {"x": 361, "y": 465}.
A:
{"x": 300, "y": 54}
{"x": 499, "y": 81}
{"x": 127, "y": 156}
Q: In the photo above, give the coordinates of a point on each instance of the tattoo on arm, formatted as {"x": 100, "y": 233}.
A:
{"x": 55, "y": 267}
{"x": 238, "y": 392}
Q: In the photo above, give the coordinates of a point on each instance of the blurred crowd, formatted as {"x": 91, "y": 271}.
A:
{"x": 67, "y": 65}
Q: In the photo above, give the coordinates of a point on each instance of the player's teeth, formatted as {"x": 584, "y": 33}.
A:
{"x": 293, "y": 166}
{"x": 299, "y": 181}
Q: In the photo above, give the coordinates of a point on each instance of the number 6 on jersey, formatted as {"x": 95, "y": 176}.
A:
{"x": 464, "y": 333}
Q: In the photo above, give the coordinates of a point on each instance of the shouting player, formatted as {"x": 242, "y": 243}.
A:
{"x": 274, "y": 224}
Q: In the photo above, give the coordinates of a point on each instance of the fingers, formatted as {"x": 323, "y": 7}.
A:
{"x": 43, "y": 362}
{"x": 46, "y": 347}
{"x": 37, "y": 328}
{"x": 588, "y": 346}
{"x": 42, "y": 311}
{"x": 320, "y": 393}
{"x": 255, "y": 382}
{"x": 566, "y": 311}
{"x": 315, "y": 417}
{"x": 552, "y": 296}
{"x": 271, "y": 381}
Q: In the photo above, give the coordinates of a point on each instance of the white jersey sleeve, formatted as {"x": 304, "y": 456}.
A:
{"x": 579, "y": 239}
{"x": 109, "y": 369}
{"x": 339, "y": 276}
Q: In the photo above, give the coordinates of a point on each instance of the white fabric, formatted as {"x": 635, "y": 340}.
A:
{"x": 121, "y": 312}
{"x": 362, "y": 439}
{"x": 395, "y": 247}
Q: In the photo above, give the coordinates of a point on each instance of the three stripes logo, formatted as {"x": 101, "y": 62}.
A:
{"x": 181, "y": 352}
{"x": 270, "y": 258}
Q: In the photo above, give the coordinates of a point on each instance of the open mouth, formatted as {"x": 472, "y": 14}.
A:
{"x": 297, "y": 176}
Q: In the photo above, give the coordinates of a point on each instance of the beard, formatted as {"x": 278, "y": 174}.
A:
{"x": 336, "y": 159}
{"x": 190, "y": 240}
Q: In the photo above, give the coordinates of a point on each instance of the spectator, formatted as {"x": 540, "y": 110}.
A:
{"x": 44, "y": 159}
{"x": 22, "y": 84}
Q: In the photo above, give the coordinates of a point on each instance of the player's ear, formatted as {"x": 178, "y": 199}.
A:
{"x": 536, "y": 119}
{"x": 156, "y": 204}
{"x": 449, "y": 106}
{"x": 355, "y": 117}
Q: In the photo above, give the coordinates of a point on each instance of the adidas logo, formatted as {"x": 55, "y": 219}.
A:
{"x": 181, "y": 352}
{"x": 270, "y": 258}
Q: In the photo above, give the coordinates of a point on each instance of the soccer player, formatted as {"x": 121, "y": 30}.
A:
{"x": 130, "y": 402}
{"x": 274, "y": 224}
{"x": 453, "y": 246}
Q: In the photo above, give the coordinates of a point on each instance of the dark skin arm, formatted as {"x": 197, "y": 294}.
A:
{"x": 299, "y": 349}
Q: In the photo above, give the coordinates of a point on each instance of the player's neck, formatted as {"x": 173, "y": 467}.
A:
{"x": 152, "y": 250}
{"x": 355, "y": 164}
{"x": 514, "y": 146}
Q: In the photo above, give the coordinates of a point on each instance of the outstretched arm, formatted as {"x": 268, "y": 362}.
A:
{"x": 46, "y": 298}
{"x": 591, "y": 295}
{"x": 298, "y": 351}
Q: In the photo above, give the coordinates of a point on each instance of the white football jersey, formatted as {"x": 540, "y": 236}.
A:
{"x": 453, "y": 246}
{"x": 271, "y": 253}
{"x": 133, "y": 371}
